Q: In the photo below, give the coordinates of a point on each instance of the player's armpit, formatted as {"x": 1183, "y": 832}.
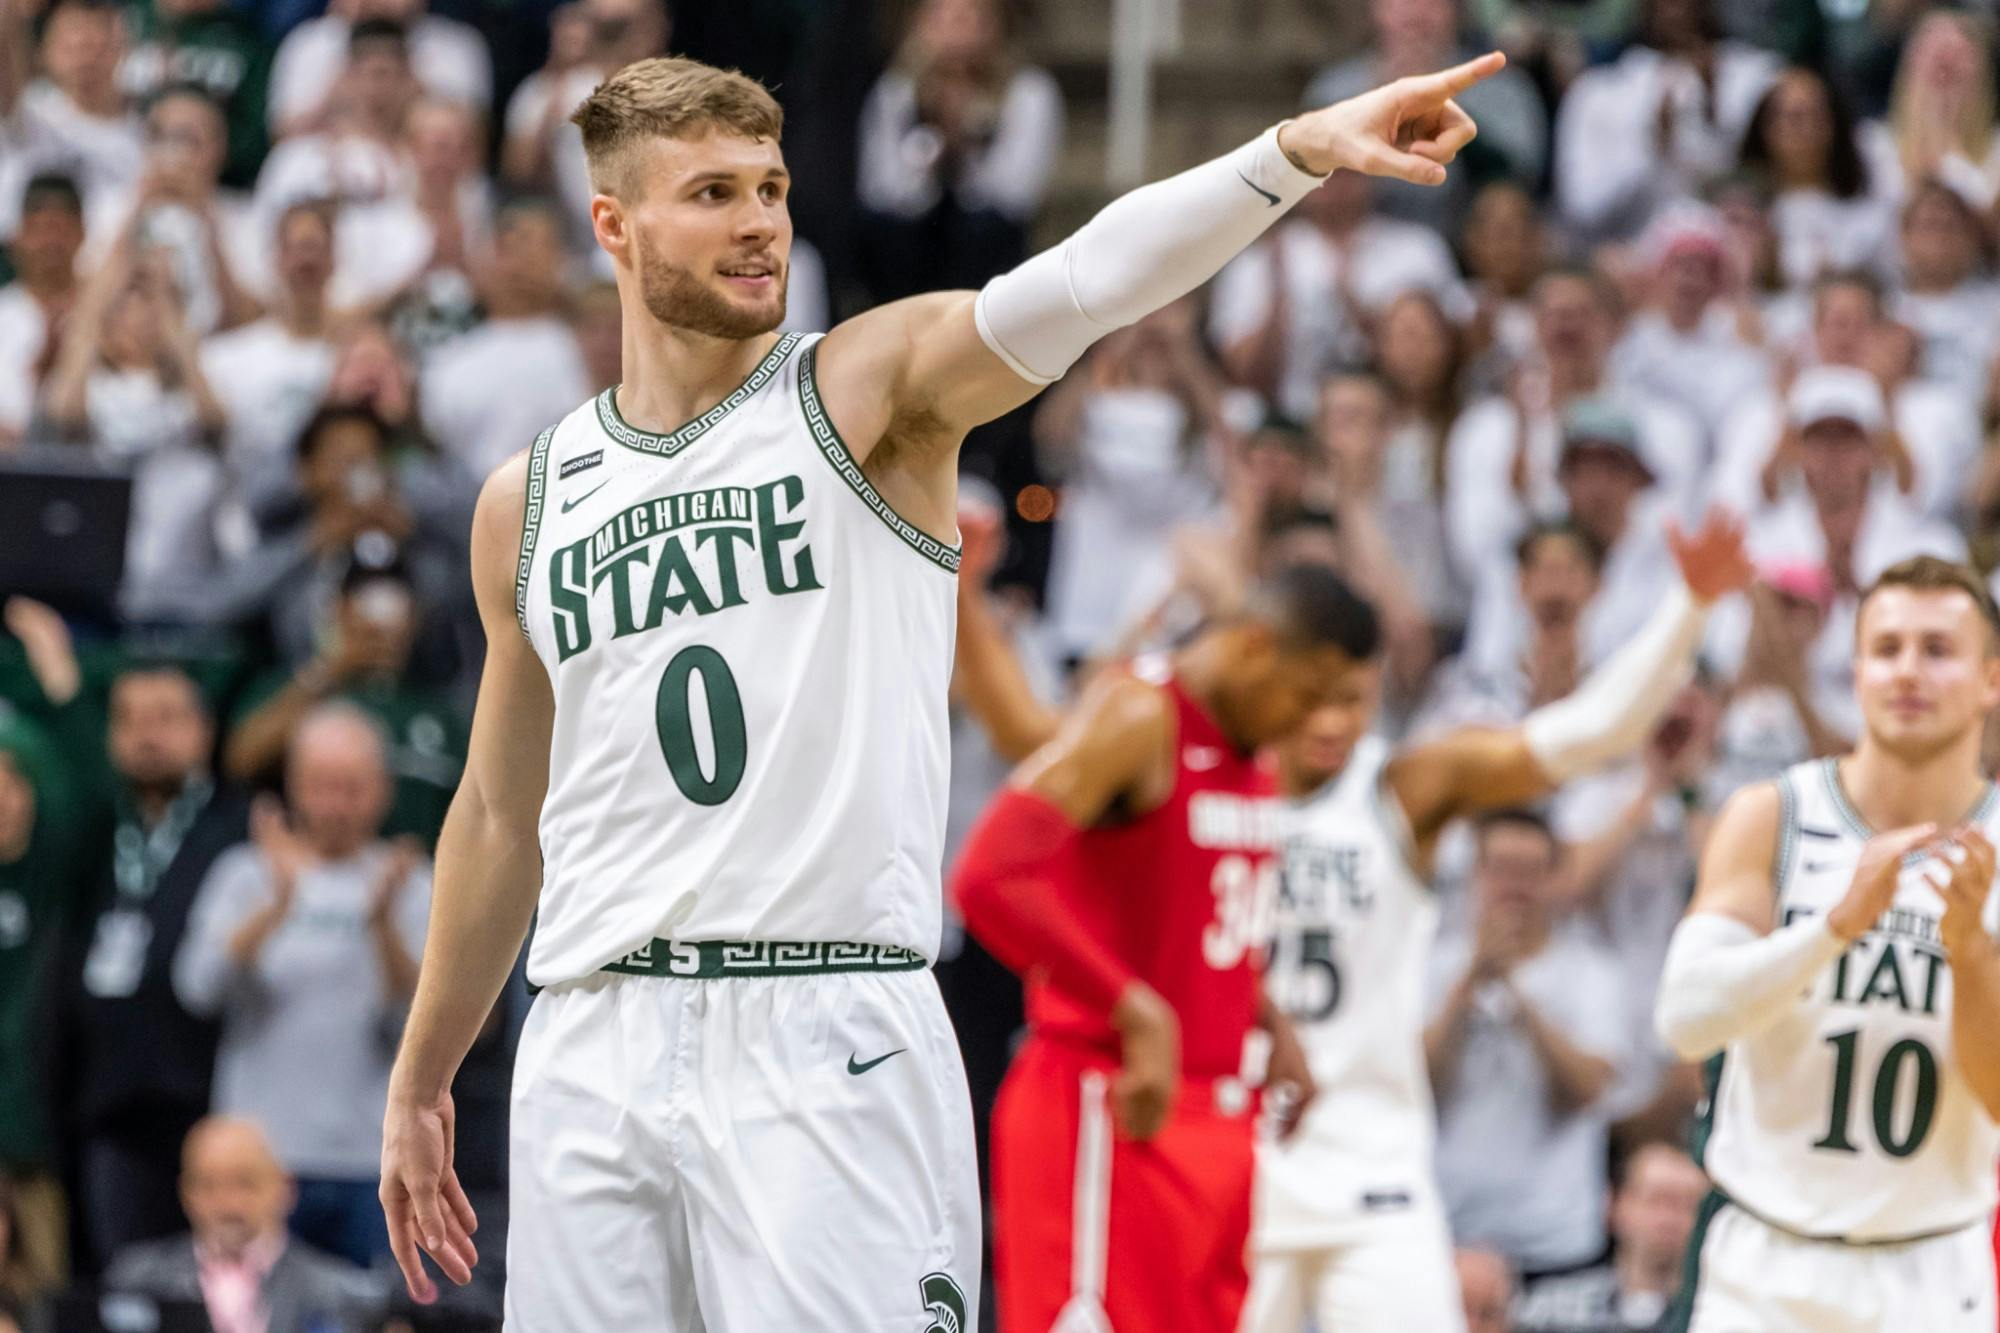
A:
{"x": 1462, "y": 773}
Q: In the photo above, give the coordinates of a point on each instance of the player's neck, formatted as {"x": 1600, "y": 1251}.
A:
{"x": 1890, "y": 791}
{"x": 674, "y": 375}
{"x": 1200, "y": 668}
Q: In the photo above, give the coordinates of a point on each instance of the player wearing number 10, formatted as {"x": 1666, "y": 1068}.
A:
{"x": 1844, "y": 985}
{"x": 718, "y": 603}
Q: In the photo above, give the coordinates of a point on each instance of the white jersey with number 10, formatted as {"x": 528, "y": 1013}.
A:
{"x": 749, "y": 650}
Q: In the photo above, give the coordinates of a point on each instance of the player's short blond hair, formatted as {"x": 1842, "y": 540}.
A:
{"x": 1927, "y": 573}
{"x": 668, "y": 98}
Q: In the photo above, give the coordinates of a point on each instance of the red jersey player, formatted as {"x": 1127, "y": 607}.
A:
{"x": 1126, "y": 871}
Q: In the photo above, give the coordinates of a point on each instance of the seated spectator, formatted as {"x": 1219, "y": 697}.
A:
{"x": 958, "y": 144}
{"x": 1653, "y": 1206}
{"x": 1949, "y": 294}
{"x": 353, "y": 509}
{"x": 1131, "y": 433}
{"x": 33, "y": 306}
{"x": 1504, "y": 455}
{"x": 1527, "y": 1032}
{"x": 543, "y": 152}
{"x": 1936, "y": 427}
{"x": 304, "y": 945}
{"x": 1416, "y": 37}
{"x": 128, "y": 385}
{"x": 236, "y": 1260}
{"x": 1303, "y": 300}
{"x": 1506, "y": 253}
{"x": 73, "y": 118}
{"x": 488, "y": 393}
{"x": 1486, "y": 1289}
{"x": 1687, "y": 347}
{"x": 365, "y": 662}
{"x": 1658, "y": 125}
{"x": 272, "y": 374}
{"x": 1941, "y": 114}
{"x": 136, "y": 1065}
{"x": 313, "y": 77}
{"x": 1801, "y": 139}
{"x": 216, "y": 47}
{"x": 357, "y": 160}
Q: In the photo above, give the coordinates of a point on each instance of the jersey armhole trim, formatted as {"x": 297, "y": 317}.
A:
{"x": 1397, "y": 821}
{"x": 531, "y": 523}
{"x": 834, "y": 450}
{"x": 1788, "y": 836}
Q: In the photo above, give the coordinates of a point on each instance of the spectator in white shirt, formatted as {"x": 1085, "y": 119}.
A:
{"x": 1686, "y": 347}
{"x": 1802, "y": 140}
{"x": 353, "y": 155}
{"x": 272, "y": 375}
{"x": 74, "y": 118}
{"x": 1416, "y": 37}
{"x": 128, "y": 383}
{"x": 1506, "y": 252}
{"x": 1941, "y": 113}
{"x": 1948, "y": 296}
{"x": 1300, "y": 302}
{"x": 1937, "y": 427}
{"x": 958, "y": 144}
{"x": 1528, "y": 1026}
{"x": 489, "y": 392}
{"x": 1503, "y": 454}
{"x": 1657, "y": 125}
{"x": 543, "y": 151}
{"x": 312, "y": 74}
{"x": 181, "y": 206}
{"x": 43, "y": 290}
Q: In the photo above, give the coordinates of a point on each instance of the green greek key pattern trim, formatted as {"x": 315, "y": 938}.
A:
{"x": 531, "y": 522}
{"x": 666, "y": 446}
{"x": 1830, "y": 769}
{"x": 834, "y": 450}
{"x": 703, "y": 959}
{"x": 1680, "y": 1315}
{"x": 1788, "y": 834}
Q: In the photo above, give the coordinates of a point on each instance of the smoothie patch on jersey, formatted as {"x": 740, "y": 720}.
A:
{"x": 696, "y": 552}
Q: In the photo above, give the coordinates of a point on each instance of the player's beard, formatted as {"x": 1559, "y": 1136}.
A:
{"x": 675, "y": 297}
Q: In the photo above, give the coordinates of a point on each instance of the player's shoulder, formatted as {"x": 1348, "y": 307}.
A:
{"x": 1124, "y": 700}
{"x": 1748, "y": 825}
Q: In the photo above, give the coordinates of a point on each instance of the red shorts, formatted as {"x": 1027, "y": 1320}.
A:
{"x": 1092, "y": 1232}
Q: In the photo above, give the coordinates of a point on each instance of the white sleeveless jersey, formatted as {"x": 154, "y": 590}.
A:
{"x": 1849, "y": 1118}
{"x": 749, "y": 651}
{"x": 1355, "y": 928}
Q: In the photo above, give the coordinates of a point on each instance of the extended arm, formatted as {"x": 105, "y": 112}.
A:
{"x": 1609, "y": 715}
{"x": 487, "y": 879}
{"x": 989, "y": 679}
{"x": 955, "y": 359}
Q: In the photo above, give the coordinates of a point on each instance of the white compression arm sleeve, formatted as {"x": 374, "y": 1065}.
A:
{"x": 1616, "y": 707}
{"x": 1143, "y": 251}
{"x": 1724, "y": 981}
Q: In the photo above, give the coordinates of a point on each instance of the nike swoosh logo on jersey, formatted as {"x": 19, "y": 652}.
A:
{"x": 1201, "y": 758}
{"x": 856, "y": 1067}
{"x": 576, "y": 500}
{"x": 1272, "y": 199}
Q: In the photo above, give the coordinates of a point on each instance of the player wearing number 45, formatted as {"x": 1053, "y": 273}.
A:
{"x": 1844, "y": 985}
{"x": 1105, "y": 875}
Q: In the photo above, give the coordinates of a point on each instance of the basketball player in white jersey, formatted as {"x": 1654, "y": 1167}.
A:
{"x": 709, "y": 755}
{"x": 1349, "y": 1227}
{"x": 1844, "y": 985}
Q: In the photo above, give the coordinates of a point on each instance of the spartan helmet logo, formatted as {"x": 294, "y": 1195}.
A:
{"x": 945, "y": 1303}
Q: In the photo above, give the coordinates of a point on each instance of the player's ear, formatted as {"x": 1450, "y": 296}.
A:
{"x": 608, "y": 221}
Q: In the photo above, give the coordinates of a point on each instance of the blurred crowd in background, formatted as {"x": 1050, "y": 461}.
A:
{"x": 307, "y": 271}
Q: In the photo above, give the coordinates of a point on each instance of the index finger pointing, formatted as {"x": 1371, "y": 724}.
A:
{"x": 1449, "y": 83}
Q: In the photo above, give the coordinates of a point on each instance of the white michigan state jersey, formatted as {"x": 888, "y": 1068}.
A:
{"x": 1355, "y": 927}
{"x": 1848, "y": 1118}
{"x": 749, "y": 650}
